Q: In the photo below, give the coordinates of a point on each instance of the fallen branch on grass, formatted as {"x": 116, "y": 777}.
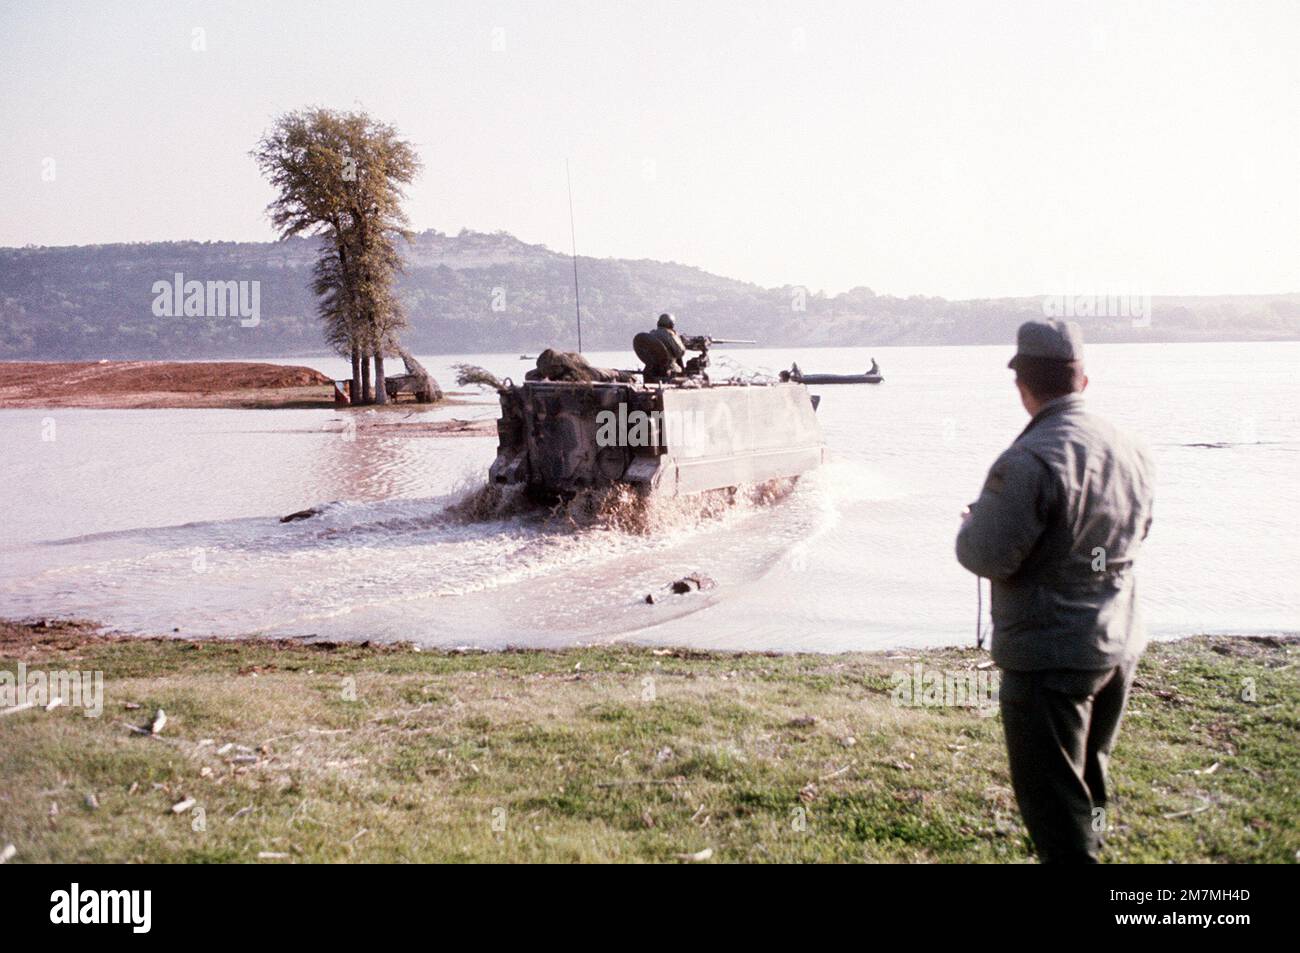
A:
{"x": 1191, "y": 811}
{"x": 632, "y": 782}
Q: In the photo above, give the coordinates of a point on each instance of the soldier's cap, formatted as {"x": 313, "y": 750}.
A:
{"x": 1051, "y": 339}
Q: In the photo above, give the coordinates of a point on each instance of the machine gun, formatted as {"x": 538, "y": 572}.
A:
{"x": 702, "y": 342}
{"x": 655, "y": 354}
{"x": 696, "y": 366}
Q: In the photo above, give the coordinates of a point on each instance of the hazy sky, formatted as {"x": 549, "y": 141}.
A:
{"x": 953, "y": 148}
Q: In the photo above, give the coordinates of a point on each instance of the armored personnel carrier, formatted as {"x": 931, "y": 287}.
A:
{"x": 687, "y": 434}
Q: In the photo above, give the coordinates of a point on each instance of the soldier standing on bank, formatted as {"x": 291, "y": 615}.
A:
{"x": 1056, "y": 529}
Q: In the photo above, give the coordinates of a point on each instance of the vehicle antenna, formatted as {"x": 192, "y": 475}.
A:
{"x": 573, "y": 235}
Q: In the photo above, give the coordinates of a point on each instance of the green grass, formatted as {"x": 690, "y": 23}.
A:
{"x": 611, "y": 754}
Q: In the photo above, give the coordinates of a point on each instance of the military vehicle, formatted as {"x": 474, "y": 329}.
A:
{"x": 581, "y": 427}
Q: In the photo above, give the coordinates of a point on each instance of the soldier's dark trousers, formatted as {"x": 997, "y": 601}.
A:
{"x": 1060, "y": 727}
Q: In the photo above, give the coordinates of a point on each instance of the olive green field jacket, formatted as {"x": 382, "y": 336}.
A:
{"x": 1057, "y": 529}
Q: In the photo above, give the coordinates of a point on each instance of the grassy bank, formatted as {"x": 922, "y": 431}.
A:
{"x": 364, "y": 753}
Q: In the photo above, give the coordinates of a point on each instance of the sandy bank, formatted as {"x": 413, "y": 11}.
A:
{"x": 160, "y": 384}
{"x": 222, "y": 385}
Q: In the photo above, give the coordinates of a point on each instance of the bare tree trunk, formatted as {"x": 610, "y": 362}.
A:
{"x": 366, "y": 396}
{"x": 356, "y": 375}
{"x": 381, "y": 392}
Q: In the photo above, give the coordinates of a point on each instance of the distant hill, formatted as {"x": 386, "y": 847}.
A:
{"x": 492, "y": 292}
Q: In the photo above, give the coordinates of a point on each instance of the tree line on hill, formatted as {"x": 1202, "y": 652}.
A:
{"x": 481, "y": 293}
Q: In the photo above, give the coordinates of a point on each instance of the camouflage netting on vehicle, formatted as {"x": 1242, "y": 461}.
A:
{"x": 567, "y": 366}
{"x": 467, "y": 374}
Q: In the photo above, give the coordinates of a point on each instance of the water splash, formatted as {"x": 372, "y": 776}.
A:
{"x": 620, "y": 507}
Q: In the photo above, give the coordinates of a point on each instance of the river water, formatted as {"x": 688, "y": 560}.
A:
{"x": 168, "y": 520}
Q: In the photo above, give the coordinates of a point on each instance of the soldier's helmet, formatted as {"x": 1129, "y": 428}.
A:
{"x": 666, "y": 321}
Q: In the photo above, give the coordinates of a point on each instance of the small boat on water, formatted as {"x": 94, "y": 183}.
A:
{"x": 872, "y": 376}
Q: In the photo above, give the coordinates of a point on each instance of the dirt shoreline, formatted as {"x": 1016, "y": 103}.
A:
{"x": 19, "y": 637}
{"x": 161, "y": 384}
{"x": 218, "y": 385}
